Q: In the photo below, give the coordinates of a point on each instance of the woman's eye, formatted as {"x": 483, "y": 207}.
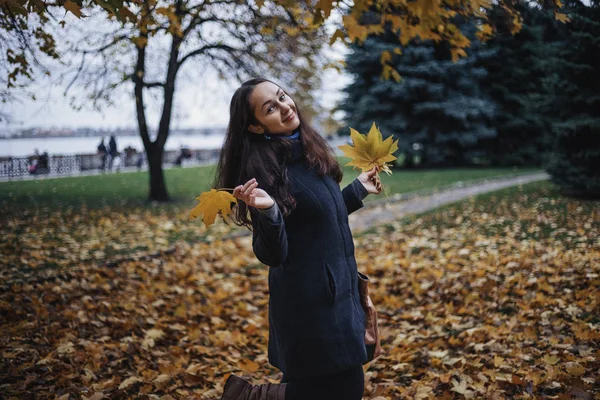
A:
{"x": 282, "y": 97}
{"x": 270, "y": 109}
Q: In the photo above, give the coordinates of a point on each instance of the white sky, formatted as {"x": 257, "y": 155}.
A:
{"x": 202, "y": 103}
{"x": 198, "y": 104}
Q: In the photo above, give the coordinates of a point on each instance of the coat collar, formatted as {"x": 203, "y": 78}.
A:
{"x": 297, "y": 150}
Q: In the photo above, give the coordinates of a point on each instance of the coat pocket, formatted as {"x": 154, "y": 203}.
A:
{"x": 330, "y": 284}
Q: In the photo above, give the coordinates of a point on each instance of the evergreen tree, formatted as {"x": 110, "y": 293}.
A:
{"x": 437, "y": 104}
{"x": 575, "y": 158}
{"x": 517, "y": 69}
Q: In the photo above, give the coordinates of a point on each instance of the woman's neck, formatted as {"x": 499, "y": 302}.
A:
{"x": 294, "y": 135}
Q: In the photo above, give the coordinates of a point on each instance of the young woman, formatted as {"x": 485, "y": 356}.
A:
{"x": 287, "y": 179}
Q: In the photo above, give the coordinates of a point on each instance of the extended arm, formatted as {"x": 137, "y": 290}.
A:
{"x": 353, "y": 195}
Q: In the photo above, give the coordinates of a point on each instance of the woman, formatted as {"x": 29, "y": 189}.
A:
{"x": 299, "y": 218}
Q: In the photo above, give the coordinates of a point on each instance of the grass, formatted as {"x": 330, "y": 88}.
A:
{"x": 124, "y": 190}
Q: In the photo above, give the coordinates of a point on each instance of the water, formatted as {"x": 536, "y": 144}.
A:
{"x": 88, "y": 145}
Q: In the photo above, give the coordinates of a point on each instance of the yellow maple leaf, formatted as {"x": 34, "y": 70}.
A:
{"x": 212, "y": 202}
{"x": 548, "y": 359}
{"x": 371, "y": 150}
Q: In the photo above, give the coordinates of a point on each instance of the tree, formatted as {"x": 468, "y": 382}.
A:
{"x": 518, "y": 70}
{"x": 27, "y": 43}
{"x": 255, "y": 27}
{"x": 437, "y": 103}
{"x": 148, "y": 54}
{"x": 22, "y": 20}
{"x": 575, "y": 151}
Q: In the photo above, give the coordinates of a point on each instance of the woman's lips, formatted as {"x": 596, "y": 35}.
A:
{"x": 288, "y": 119}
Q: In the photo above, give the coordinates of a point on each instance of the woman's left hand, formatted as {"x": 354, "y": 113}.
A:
{"x": 370, "y": 180}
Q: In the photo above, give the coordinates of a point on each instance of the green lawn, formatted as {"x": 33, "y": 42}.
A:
{"x": 184, "y": 184}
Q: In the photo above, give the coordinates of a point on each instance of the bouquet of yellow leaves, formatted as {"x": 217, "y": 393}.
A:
{"x": 368, "y": 152}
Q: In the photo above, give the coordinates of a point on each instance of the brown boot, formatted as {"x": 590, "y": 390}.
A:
{"x": 237, "y": 388}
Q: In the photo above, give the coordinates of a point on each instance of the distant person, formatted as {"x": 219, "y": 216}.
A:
{"x": 34, "y": 162}
{"x": 102, "y": 152}
{"x": 130, "y": 155}
{"x": 42, "y": 165}
{"x": 184, "y": 154}
{"x": 112, "y": 146}
{"x": 140, "y": 160}
{"x": 112, "y": 151}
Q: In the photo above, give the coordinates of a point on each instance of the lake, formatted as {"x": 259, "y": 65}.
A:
{"x": 87, "y": 145}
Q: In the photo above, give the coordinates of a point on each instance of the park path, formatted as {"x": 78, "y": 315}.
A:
{"x": 387, "y": 210}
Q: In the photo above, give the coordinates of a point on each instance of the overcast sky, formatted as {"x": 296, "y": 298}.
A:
{"x": 198, "y": 103}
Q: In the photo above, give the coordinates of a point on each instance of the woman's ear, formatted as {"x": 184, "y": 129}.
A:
{"x": 256, "y": 129}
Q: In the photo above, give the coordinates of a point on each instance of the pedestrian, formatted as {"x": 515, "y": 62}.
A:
{"x": 286, "y": 176}
{"x": 34, "y": 162}
{"x": 43, "y": 163}
{"x": 112, "y": 151}
{"x": 102, "y": 152}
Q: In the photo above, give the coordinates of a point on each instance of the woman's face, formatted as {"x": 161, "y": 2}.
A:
{"x": 273, "y": 109}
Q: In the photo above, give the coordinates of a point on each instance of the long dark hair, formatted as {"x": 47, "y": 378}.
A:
{"x": 246, "y": 155}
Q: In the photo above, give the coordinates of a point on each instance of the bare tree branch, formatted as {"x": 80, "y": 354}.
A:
{"x": 153, "y": 84}
{"x": 203, "y": 49}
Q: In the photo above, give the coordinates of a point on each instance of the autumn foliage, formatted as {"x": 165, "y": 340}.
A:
{"x": 491, "y": 298}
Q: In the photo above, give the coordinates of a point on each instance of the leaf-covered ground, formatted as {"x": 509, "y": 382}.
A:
{"x": 497, "y": 297}
{"x": 48, "y": 225}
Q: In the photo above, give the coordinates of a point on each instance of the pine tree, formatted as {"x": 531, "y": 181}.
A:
{"x": 575, "y": 158}
{"x": 517, "y": 69}
{"x": 437, "y": 104}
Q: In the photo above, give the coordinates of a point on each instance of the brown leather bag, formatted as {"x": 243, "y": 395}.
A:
{"x": 372, "y": 342}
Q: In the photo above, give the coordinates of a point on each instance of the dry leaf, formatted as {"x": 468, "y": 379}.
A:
{"x": 552, "y": 360}
{"x": 128, "y": 382}
{"x": 371, "y": 150}
{"x": 211, "y": 203}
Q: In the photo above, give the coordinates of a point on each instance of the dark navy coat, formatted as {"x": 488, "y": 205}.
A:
{"x": 316, "y": 322}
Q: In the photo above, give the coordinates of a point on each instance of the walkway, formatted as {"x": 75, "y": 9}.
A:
{"x": 386, "y": 210}
{"x": 383, "y": 211}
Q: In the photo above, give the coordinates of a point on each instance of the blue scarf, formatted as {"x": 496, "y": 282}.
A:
{"x": 295, "y": 135}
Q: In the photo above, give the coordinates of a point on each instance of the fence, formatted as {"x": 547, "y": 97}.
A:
{"x": 56, "y": 165}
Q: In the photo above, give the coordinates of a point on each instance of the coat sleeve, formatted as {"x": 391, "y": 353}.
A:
{"x": 269, "y": 238}
{"x": 353, "y": 195}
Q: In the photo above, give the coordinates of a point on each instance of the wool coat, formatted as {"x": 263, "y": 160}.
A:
{"x": 316, "y": 322}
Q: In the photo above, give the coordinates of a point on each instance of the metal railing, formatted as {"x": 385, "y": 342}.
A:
{"x": 60, "y": 165}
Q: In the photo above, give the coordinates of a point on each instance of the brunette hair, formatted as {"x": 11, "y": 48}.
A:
{"x": 246, "y": 155}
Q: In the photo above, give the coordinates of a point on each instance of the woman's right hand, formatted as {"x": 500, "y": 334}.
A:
{"x": 250, "y": 194}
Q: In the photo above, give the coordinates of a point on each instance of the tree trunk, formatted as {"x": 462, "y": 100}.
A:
{"x": 155, "y": 149}
{"x": 158, "y": 188}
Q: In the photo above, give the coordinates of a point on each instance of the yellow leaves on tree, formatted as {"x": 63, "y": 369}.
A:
{"x": 211, "y": 203}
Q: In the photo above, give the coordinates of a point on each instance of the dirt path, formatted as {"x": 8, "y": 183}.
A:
{"x": 383, "y": 211}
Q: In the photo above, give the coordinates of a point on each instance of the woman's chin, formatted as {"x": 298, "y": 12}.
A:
{"x": 294, "y": 123}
